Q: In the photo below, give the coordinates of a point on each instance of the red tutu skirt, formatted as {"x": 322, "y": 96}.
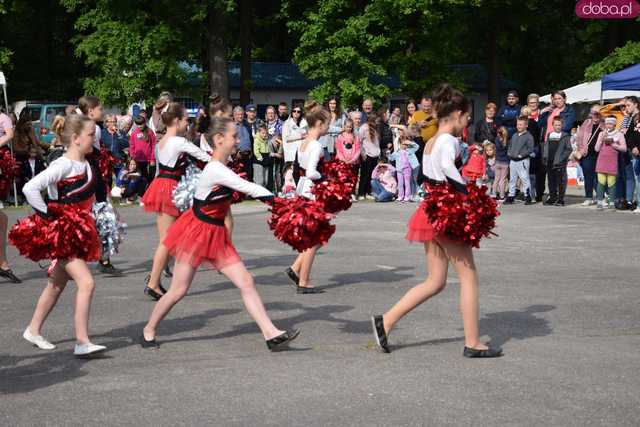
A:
{"x": 159, "y": 197}
{"x": 192, "y": 240}
{"x": 419, "y": 227}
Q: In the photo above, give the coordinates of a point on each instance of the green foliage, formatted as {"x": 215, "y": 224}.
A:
{"x": 620, "y": 58}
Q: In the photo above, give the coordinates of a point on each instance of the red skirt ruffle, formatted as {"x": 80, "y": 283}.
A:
{"x": 419, "y": 227}
{"x": 194, "y": 241}
{"x": 159, "y": 197}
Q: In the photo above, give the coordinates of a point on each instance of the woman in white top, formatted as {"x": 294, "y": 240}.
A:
{"x": 171, "y": 159}
{"x": 69, "y": 182}
{"x": 439, "y": 167}
{"x": 309, "y": 155}
{"x": 200, "y": 236}
{"x": 293, "y": 132}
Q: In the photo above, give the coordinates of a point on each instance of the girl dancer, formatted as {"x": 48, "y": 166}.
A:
{"x": 200, "y": 235}
{"x": 91, "y": 107}
{"x": 439, "y": 167}
{"x": 69, "y": 181}
{"x": 171, "y": 159}
{"x": 310, "y": 153}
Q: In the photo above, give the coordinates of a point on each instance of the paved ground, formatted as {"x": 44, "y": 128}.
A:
{"x": 560, "y": 293}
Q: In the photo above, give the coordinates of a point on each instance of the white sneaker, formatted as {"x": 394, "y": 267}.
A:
{"x": 87, "y": 349}
{"x": 141, "y": 204}
{"x": 37, "y": 340}
{"x": 636, "y": 210}
{"x": 587, "y": 202}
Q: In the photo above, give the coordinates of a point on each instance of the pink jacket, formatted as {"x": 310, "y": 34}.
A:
{"x": 386, "y": 174}
{"x": 608, "y": 154}
{"x": 348, "y": 155}
{"x": 583, "y": 135}
{"x": 141, "y": 150}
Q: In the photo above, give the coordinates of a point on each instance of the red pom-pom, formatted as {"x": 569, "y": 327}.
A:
{"x": 334, "y": 195}
{"x": 28, "y": 236}
{"x": 463, "y": 218}
{"x": 238, "y": 167}
{"x": 301, "y": 223}
{"x": 106, "y": 163}
{"x": 9, "y": 169}
{"x": 336, "y": 170}
{"x": 72, "y": 234}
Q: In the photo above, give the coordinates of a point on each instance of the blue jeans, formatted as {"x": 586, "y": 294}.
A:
{"x": 379, "y": 193}
{"x": 635, "y": 172}
{"x": 588, "y": 165}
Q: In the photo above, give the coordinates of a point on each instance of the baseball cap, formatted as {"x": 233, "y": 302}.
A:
{"x": 513, "y": 93}
{"x": 250, "y": 107}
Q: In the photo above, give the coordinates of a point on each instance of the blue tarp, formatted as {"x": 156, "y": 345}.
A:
{"x": 627, "y": 79}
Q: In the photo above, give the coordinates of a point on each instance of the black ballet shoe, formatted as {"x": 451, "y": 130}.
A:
{"x": 379, "y": 333}
{"x": 168, "y": 272}
{"x": 475, "y": 353}
{"x": 293, "y": 276}
{"x": 163, "y": 290}
{"x": 282, "y": 340}
{"x": 305, "y": 290}
{"x": 152, "y": 294}
{"x": 8, "y": 273}
{"x": 148, "y": 344}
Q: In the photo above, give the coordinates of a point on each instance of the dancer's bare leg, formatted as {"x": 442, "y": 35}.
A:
{"x": 3, "y": 241}
{"x": 79, "y": 272}
{"x": 48, "y": 299}
{"x": 243, "y": 280}
{"x": 183, "y": 274}
{"x": 305, "y": 266}
{"x": 437, "y": 265}
{"x": 161, "y": 256}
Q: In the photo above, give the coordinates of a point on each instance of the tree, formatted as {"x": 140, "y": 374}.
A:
{"x": 620, "y": 58}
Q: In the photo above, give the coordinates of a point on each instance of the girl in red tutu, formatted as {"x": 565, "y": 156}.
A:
{"x": 172, "y": 153}
{"x": 200, "y": 236}
{"x": 310, "y": 153}
{"x": 440, "y": 154}
{"x": 69, "y": 181}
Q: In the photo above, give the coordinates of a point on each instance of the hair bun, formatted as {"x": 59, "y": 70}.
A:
{"x": 310, "y": 105}
{"x": 443, "y": 93}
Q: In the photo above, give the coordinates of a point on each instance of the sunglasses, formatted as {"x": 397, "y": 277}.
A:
{"x": 297, "y": 111}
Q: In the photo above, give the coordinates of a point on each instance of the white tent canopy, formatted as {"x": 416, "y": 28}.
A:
{"x": 590, "y": 92}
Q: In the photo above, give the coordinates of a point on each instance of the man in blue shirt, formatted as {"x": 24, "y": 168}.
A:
{"x": 245, "y": 148}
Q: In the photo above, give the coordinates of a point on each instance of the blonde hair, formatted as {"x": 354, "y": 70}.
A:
{"x": 492, "y": 146}
{"x": 66, "y": 127}
{"x": 525, "y": 111}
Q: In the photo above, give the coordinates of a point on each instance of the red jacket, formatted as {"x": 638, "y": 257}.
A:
{"x": 141, "y": 150}
{"x": 476, "y": 165}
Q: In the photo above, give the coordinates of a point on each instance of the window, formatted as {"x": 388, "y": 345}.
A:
{"x": 33, "y": 111}
{"x": 51, "y": 112}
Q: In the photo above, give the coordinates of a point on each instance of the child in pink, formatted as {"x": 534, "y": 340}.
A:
{"x": 609, "y": 144}
{"x": 348, "y": 144}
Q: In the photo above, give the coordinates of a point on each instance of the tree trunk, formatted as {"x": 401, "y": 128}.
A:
{"x": 217, "y": 53}
{"x": 493, "y": 73}
{"x": 245, "y": 52}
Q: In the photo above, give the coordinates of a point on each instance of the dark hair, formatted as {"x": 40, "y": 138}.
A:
{"x": 262, "y": 125}
{"x": 525, "y": 119}
{"x": 559, "y": 92}
{"x": 315, "y": 113}
{"x": 218, "y": 126}
{"x": 558, "y": 119}
{"x": 175, "y": 110}
{"x": 86, "y": 103}
{"x": 140, "y": 120}
{"x": 405, "y": 118}
{"x": 372, "y": 124}
{"x": 338, "y": 107}
{"x": 283, "y": 104}
{"x": 447, "y": 100}
{"x": 426, "y": 98}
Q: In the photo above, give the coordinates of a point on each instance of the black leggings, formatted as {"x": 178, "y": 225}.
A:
{"x": 366, "y": 169}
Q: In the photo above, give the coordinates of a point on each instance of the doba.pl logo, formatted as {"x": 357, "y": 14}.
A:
{"x": 607, "y": 9}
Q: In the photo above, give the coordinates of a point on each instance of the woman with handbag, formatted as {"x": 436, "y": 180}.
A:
{"x": 585, "y": 152}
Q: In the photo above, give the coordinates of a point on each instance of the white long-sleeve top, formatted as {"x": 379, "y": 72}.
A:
{"x": 440, "y": 164}
{"x": 292, "y": 136}
{"x": 59, "y": 169}
{"x": 216, "y": 175}
{"x": 176, "y": 145}
{"x": 309, "y": 159}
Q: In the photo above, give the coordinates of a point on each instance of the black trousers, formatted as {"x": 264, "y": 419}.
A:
{"x": 541, "y": 175}
{"x": 557, "y": 182}
{"x": 366, "y": 168}
{"x": 247, "y": 162}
